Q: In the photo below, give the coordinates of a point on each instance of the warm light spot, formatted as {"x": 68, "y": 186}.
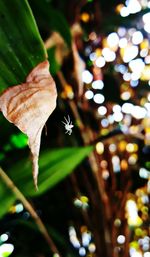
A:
{"x": 56, "y": 255}
{"x": 100, "y": 148}
{"x": 105, "y": 174}
{"x": 84, "y": 199}
{"x": 104, "y": 164}
{"x": 124, "y": 165}
{"x": 119, "y": 7}
{"x": 132, "y": 212}
{"x": 104, "y": 131}
{"x": 126, "y": 95}
{"x": 146, "y": 73}
{"x": 122, "y": 146}
{"x": 98, "y": 52}
{"x": 130, "y": 148}
{"x": 85, "y": 17}
{"x": 138, "y": 232}
{"x": 134, "y": 129}
{"x": 135, "y": 147}
{"x": 67, "y": 93}
{"x": 12, "y": 209}
{"x": 92, "y": 248}
{"x": 144, "y": 44}
{"x": 133, "y": 159}
{"x": 117, "y": 222}
{"x": 92, "y": 36}
{"x": 84, "y": 229}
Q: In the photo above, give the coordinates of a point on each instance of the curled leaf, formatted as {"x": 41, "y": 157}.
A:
{"x": 29, "y": 105}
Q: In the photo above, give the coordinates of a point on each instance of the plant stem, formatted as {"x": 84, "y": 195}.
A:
{"x": 30, "y": 209}
{"x": 87, "y": 137}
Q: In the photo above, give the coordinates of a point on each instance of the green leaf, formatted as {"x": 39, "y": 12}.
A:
{"x": 54, "y": 65}
{"x": 19, "y": 140}
{"x": 49, "y": 17}
{"x": 21, "y": 47}
{"x": 7, "y": 198}
{"x": 55, "y": 165}
{"x": 147, "y": 165}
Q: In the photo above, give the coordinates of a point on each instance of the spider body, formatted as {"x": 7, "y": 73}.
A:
{"x": 68, "y": 125}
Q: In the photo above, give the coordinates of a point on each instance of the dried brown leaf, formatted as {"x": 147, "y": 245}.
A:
{"x": 29, "y": 105}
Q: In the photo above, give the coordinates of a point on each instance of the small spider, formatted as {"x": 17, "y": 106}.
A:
{"x": 68, "y": 125}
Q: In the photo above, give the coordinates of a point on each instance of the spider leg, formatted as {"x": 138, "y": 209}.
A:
{"x": 71, "y": 124}
{"x": 66, "y": 132}
{"x": 63, "y": 122}
{"x": 66, "y": 119}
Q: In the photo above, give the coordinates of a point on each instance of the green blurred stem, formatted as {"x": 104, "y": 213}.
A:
{"x": 30, "y": 209}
